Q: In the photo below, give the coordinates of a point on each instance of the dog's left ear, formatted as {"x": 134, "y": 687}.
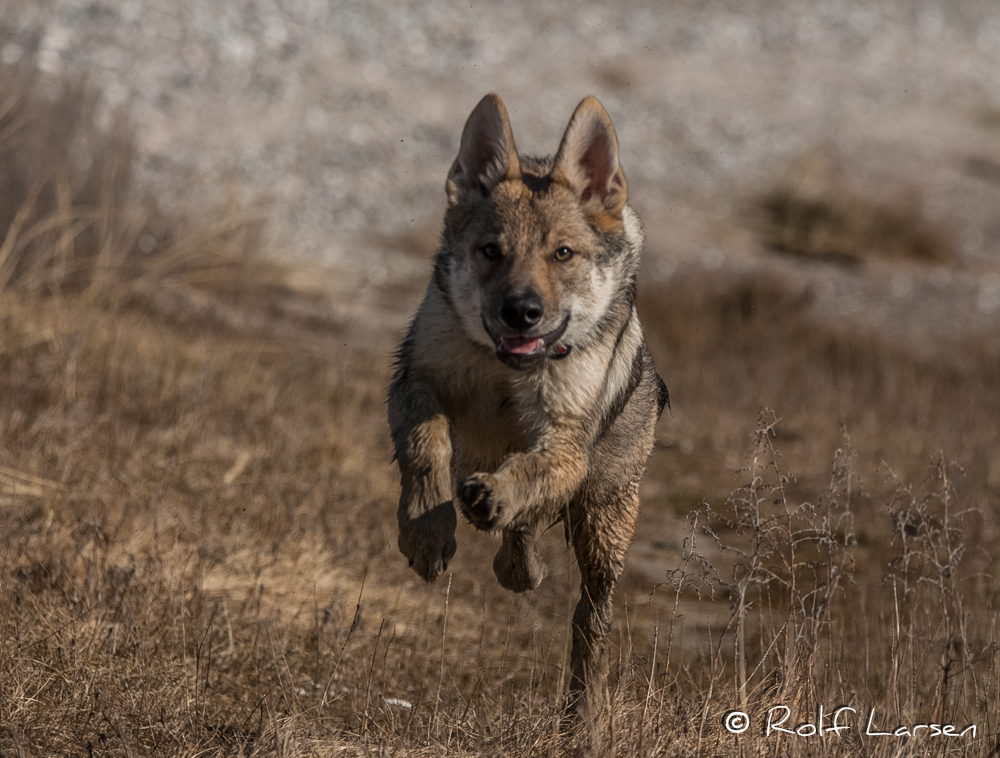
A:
{"x": 587, "y": 160}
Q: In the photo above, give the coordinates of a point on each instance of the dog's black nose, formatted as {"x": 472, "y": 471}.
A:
{"x": 522, "y": 311}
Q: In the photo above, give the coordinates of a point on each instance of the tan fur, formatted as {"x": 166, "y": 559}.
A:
{"x": 524, "y": 393}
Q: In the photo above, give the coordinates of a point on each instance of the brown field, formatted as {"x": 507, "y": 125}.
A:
{"x": 198, "y": 503}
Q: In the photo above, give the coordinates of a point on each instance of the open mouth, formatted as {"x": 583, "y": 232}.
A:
{"x": 520, "y": 351}
{"x": 523, "y": 345}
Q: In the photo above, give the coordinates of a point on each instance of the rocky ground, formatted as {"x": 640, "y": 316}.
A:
{"x": 343, "y": 117}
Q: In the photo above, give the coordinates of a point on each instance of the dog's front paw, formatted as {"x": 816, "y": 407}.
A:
{"x": 428, "y": 541}
{"x": 482, "y": 504}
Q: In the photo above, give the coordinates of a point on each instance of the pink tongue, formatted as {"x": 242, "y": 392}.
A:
{"x": 524, "y": 346}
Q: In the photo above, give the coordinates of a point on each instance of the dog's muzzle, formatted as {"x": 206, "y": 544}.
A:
{"x": 524, "y": 351}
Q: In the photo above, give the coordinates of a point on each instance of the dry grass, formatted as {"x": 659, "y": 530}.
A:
{"x": 198, "y": 546}
{"x": 734, "y": 342}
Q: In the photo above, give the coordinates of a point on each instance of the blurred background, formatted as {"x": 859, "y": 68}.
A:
{"x": 820, "y": 187}
{"x": 831, "y": 131}
{"x": 346, "y": 115}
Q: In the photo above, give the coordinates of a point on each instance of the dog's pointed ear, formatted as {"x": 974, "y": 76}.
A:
{"x": 487, "y": 154}
{"x": 587, "y": 160}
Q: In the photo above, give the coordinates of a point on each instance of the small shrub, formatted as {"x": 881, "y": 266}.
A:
{"x": 813, "y": 214}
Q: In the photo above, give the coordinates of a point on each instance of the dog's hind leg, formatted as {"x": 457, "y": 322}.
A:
{"x": 518, "y": 565}
{"x": 601, "y": 531}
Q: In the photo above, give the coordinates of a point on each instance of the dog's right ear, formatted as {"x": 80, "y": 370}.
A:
{"x": 487, "y": 154}
{"x": 587, "y": 161}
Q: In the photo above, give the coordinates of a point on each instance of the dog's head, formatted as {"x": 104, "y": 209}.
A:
{"x": 535, "y": 251}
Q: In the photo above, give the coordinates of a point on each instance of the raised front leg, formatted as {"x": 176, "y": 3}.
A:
{"x": 601, "y": 531}
{"x": 518, "y": 565}
{"x": 426, "y": 512}
{"x": 529, "y": 485}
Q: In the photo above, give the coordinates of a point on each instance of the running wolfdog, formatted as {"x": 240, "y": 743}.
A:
{"x": 524, "y": 392}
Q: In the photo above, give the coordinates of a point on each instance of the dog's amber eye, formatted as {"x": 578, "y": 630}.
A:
{"x": 491, "y": 251}
{"x": 563, "y": 254}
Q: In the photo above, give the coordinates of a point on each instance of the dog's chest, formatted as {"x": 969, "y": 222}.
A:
{"x": 490, "y": 419}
